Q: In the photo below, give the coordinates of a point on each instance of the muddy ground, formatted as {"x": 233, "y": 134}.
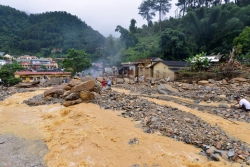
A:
{"x": 90, "y": 134}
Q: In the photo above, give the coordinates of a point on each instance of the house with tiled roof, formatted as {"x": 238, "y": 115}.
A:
{"x": 139, "y": 67}
{"x": 153, "y": 68}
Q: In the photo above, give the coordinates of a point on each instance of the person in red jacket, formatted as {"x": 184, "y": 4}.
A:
{"x": 103, "y": 83}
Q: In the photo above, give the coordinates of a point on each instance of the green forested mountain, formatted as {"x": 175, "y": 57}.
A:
{"x": 203, "y": 28}
{"x": 40, "y": 33}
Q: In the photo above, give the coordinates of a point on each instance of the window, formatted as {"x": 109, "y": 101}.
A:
{"x": 23, "y": 78}
{"x": 31, "y": 78}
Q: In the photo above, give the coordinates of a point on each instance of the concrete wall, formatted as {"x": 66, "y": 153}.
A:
{"x": 147, "y": 72}
{"x": 161, "y": 70}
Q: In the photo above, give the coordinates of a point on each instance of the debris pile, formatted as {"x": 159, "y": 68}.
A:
{"x": 75, "y": 92}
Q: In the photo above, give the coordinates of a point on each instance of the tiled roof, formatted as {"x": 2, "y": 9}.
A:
{"x": 40, "y": 73}
{"x": 176, "y": 63}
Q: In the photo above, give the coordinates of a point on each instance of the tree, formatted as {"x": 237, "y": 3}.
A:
{"x": 128, "y": 37}
{"x": 162, "y": 6}
{"x": 244, "y": 40}
{"x": 76, "y": 61}
{"x": 145, "y": 11}
{"x": 12, "y": 68}
{"x": 172, "y": 43}
{"x": 7, "y": 73}
{"x": 132, "y": 27}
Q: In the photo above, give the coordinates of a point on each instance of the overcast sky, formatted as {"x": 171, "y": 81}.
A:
{"x": 101, "y": 15}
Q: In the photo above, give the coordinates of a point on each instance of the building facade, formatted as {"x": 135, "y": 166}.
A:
{"x": 28, "y": 76}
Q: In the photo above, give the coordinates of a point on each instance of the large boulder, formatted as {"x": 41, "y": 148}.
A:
{"x": 86, "y": 95}
{"x": 56, "y": 90}
{"x": 165, "y": 89}
{"x": 203, "y": 82}
{"x": 89, "y": 85}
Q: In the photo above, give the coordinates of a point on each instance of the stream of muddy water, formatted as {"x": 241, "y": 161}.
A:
{"x": 87, "y": 135}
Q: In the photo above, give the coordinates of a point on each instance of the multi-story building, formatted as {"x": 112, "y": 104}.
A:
{"x": 32, "y": 62}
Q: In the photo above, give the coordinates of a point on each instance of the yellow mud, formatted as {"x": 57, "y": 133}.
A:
{"x": 85, "y": 135}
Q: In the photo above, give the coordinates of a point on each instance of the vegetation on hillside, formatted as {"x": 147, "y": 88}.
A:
{"x": 41, "y": 33}
{"x": 206, "y": 26}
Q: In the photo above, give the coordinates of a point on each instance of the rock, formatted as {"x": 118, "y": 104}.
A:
{"x": 203, "y": 82}
{"x": 197, "y": 101}
{"x": 133, "y": 141}
{"x": 218, "y": 145}
{"x": 224, "y": 82}
{"x": 223, "y": 105}
{"x": 202, "y": 153}
{"x": 97, "y": 95}
{"x": 88, "y": 85}
{"x": 126, "y": 80}
{"x": 78, "y": 101}
{"x": 87, "y": 78}
{"x": 68, "y": 103}
{"x": 98, "y": 87}
{"x": 66, "y": 93}
{"x": 67, "y": 87}
{"x": 215, "y": 157}
{"x": 135, "y": 165}
{"x": 47, "y": 98}
{"x": 187, "y": 140}
{"x": 72, "y": 96}
{"x": 211, "y": 81}
{"x": 166, "y": 89}
{"x": 75, "y": 81}
{"x": 188, "y": 120}
{"x": 56, "y": 90}
{"x": 120, "y": 80}
{"x": 239, "y": 80}
{"x": 211, "y": 150}
{"x": 86, "y": 95}
{"x": 222, "y": 96}
{"x": 242, "y": 157}
{"x": 223, "y": 154}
